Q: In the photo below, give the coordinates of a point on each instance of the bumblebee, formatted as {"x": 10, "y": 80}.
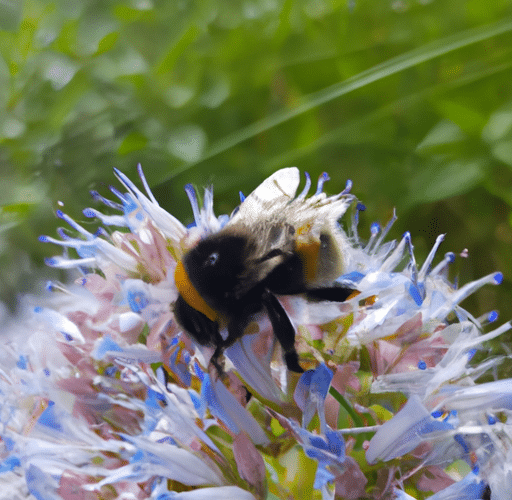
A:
{"x": 274, "y": 244}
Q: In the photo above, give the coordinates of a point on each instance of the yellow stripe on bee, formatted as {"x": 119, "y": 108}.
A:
{"x": 308, "y": 252}
{"x": 190, "y": 294}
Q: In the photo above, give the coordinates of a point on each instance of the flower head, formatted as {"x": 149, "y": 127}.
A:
{"x": 104, "y": 394}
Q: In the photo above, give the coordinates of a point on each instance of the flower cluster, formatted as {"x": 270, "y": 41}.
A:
{"x": 103, "y": 396}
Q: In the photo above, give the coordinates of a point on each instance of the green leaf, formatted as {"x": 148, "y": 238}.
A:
{"x": 107, "y": 42}
{"x": 143, "y": 336}
{"x": 175, "y": 49}
{"x": 381, "y": 412}
{"x": 466, "y": 118}
{"x": 499, "y": 125}
{"x": 187, "y": 142}
{"x": 437, "y": 181}
{"x": 276, "y": 428}
{"x": 16, "y": 209}
{"x": 502, "y": 151}
{"x": 10, "y": 14}
{"x": 134, "y": 141}
{"x": 443, "y": 134}
{"x": 271, "y": 496}
{"x": 68, "y": 98}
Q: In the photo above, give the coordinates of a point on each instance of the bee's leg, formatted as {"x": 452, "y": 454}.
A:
{"x": 236, "y": 328}
{"x": 217, "y": 361}
{"x": 283, "y": 330}
{"x": 333, "y": 293}
{"x": 202, "y": 329}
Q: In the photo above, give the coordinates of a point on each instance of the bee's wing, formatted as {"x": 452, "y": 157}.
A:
{"x": 277, "y": 190}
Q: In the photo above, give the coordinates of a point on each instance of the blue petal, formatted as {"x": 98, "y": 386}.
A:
{"x": 470, "y": 488}
{"x": 153, "y": 398}
{"x": 216, "y": 407}
{"x": 9, "y": 464}
{"x": 40, "y": 484}
{"x": 138, "y": 456}
{"x": 196, "y": 400}
{"x": 8, "y": 442}
{"x": 322, "y": 477}
{"x": 137, "y": 300}
{"x": 22, "y": 362}
{"x": 354, "y": 276}
{"x": 107, "y": 344}
{"x": 415, "y": 293}
{"x": 336, "y": 443}
{"x": 321, "y": 380}
{"x": 49, "y": 418}
{"x": 319, "y": 443}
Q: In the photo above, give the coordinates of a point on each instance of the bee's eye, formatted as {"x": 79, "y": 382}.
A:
{"x": 212, "y": 259}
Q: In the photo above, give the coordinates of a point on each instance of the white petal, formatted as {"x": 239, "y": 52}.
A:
{"x": 220, "y": 493}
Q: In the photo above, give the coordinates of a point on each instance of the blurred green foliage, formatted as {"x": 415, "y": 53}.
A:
{"x": 409, "y": 99}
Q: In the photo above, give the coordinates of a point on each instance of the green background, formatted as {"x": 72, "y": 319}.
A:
{"x": 412, "y": 100}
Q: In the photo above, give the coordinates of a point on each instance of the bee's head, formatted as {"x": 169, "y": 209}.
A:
{"x": 215, "y": 265}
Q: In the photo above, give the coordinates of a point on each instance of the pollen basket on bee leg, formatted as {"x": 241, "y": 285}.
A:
{"x": 190, "y": 294}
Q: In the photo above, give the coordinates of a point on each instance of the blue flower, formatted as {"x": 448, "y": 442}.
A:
{"x": 471, "y": 487}
{"x": 310, "y": 394}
